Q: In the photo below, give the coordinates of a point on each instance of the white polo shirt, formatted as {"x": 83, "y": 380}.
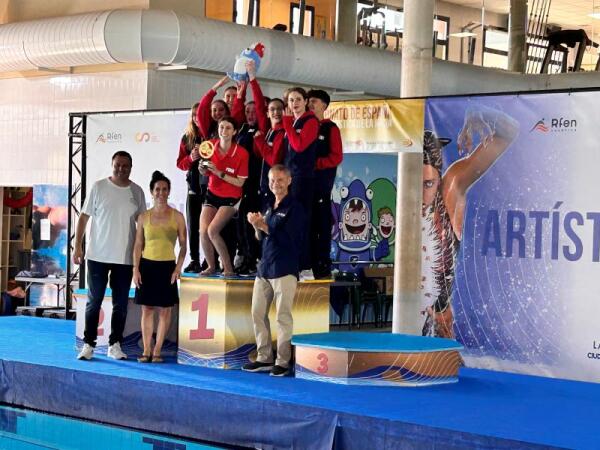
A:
{"x": 114, "y": 211}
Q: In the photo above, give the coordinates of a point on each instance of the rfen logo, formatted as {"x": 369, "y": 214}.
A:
{"x": 110, "y": 138}
{"x": 557, "y": 124}
{"x": 540, "y": 126}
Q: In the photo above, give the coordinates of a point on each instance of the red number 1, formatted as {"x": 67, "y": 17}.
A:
{"x": 201, "y": 305}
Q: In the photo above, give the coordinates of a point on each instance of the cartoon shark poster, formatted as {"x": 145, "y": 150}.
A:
{"x": 364, "y": 208}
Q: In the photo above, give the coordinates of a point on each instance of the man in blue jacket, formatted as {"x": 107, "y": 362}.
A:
{"x": 282, "y": 231}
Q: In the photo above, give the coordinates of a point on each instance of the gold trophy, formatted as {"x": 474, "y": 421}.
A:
{"x": 206, "y": 149}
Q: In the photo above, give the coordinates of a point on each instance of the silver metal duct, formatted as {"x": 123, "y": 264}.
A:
{"x": 156, "y": 36}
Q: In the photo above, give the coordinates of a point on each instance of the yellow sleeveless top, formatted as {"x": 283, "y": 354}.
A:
{"x": 159, "y": 239}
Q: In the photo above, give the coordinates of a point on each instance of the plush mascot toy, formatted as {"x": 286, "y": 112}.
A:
{"x": 255, "y": 52}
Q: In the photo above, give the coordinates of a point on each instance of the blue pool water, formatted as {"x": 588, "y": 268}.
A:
{"x": 22, "y": 429}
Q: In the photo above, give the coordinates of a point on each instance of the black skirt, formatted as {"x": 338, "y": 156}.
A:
{"x": 156, "y": 288}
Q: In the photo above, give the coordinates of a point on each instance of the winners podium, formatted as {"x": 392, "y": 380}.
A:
{"x": 215, "y": 321}
{"x": 132, "y": 343}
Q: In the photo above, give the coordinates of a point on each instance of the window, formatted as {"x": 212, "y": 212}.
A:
{"x": 441, "y": 25}
{"x": 536, "y": 50}
{"x": 495, "y": 47}
{"x": 309, "y": 19}
{"x": 391, "y": 21}
{"x": 241, "y": 10}
{"x": 495, "y": 51}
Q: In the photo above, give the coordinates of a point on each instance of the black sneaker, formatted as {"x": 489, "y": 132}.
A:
{"x": 257, "y": 366}
{"x": 278, "y": 371}
{"x": 193, "y": 267}
{"x": 246, "y": 270}
{"x": 322, "y": 275}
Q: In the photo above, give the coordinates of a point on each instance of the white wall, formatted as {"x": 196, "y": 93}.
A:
{"x": 34, "y": 113}
{"x": 34, "y": 119}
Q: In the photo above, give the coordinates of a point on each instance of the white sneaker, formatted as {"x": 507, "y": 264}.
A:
{"x": 307, "y": 275}
{"x": 86, "y": 352}
{"x": 115, "y": 352}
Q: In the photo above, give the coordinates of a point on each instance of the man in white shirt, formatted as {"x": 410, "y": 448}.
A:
{"x": 114, "y": 204}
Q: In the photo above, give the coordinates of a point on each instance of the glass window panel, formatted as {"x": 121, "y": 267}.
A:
{"x": 241, "y": 11}
{"x": 308, "y": 18}
{"x": 241, "y": 8}
{"x": 495, "y": 61}
{"x": 440, "y": 51}
{"x": 496, "y": 40}
{"x": 441, "y": 26}
{"x": 394, "y": 20}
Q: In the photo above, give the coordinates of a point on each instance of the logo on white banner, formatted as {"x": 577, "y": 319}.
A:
{"x": 109, "y": 138}
{"x": 143, "y": 136}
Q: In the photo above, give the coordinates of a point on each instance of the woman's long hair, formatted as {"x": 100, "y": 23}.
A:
{"x": 191, "y": 130}
{"x": 446, "y": 243}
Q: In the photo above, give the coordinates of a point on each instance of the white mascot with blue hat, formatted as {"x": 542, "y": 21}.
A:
{"x": 253, "y": 53}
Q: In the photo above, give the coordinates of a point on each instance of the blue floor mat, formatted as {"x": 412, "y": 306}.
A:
{"x": 493, "y": 405}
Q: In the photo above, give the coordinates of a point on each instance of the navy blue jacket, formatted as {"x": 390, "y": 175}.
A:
{"x": 281, "y": 247}
{"x": 301, "y": 163}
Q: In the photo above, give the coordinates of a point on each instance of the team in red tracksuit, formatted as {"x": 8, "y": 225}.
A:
{"x": 301, "y": 132}
{"x": 329, "y": 156}
{"x": 227, "y": 170}
{"x": 248, "y": 247}
{"x": 188, "y": 160}
{"x": 269, "y": 142}
{"x": 209, "y": 112}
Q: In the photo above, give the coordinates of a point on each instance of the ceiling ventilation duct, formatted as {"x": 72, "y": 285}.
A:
{"x": 156, "y": 36}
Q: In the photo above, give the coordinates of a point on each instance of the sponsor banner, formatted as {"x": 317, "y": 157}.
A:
{"x": 151, "y": 139}
{"x": 511, "y": 231}
{"x": 379, "y": 126}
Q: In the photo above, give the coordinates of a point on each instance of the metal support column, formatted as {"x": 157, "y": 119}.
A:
{"x": 415, "y": 82}
{"x": 77, "y": 150}
{"x": 346, "y": 21}
{"x": 517, "y": 36}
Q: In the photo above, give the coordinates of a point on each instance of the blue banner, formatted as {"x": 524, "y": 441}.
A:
{"x": 511, "y": 231}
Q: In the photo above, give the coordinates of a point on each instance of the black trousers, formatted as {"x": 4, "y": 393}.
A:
{"x": 302, "y": 190}
{"x": 320, "y": 228}
{"x": 98, "y": 278}
{"x": 193, "y": 210}
{"x": 248, "y": 246}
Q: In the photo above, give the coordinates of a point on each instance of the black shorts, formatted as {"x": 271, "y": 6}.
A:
{"x": 216, "y": 202}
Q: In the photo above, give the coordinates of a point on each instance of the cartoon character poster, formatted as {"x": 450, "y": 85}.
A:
{"x": 364, "y": 209}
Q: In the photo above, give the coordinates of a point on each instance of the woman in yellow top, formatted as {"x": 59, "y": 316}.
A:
{"x": 155, "y": 271}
